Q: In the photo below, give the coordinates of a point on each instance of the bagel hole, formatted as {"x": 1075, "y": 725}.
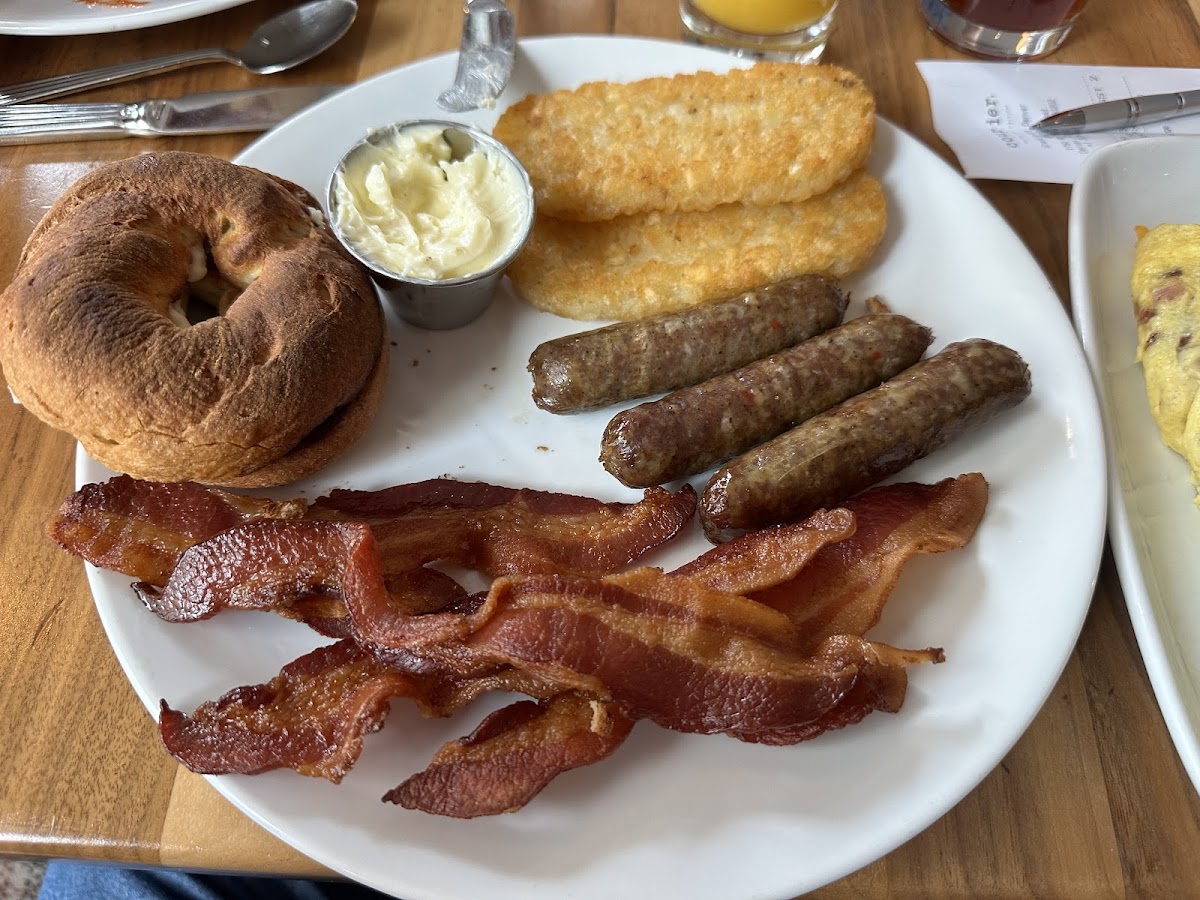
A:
{"x": 207, "y": 296}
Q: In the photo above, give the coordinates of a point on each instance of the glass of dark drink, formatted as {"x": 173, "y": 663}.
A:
{"x": 1002, "y": 29}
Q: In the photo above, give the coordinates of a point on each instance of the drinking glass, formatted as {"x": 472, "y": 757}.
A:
{"x": 790, "y": 30}
{"x": 1002, "y": 29}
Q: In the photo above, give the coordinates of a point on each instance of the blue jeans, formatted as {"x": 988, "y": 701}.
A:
{"x": 91, "y": 881}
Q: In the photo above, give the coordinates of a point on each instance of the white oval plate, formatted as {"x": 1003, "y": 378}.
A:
{"x": 61, "y": 17}
{"x": 1153, "y": 523}
{"x": 671, "y": 814}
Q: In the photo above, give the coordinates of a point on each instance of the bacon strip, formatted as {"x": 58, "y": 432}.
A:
{"x": 513, "y": 754}
{"x": 145, "y": 529}
{"x": 664, "y": 648}
{"x": 123, "y": 522}
{"x": 762, "y": 559}
{"x": 311, "y": 717}
{"x": 141, "y": 528}
{"x": 447, "y": 690}
{"x": 276, "y": 564}
{"x": 841, "y": 594}
{"x": 270, "y": 565}
{"x": 881, "y": 685}
{"x": 844, "y": 589}
{"x": 510, "y": 531}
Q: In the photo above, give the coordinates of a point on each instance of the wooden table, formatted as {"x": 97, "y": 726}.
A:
{"x": 1091, "y": 802}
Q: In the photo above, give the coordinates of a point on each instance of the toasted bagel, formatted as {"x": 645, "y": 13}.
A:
{"x": 92, "y": 342}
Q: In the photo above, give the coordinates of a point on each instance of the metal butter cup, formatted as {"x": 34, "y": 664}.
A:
{"x": 439, "y": 303}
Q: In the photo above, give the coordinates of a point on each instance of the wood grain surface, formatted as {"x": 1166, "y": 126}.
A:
{"x": 1092, "y": 802}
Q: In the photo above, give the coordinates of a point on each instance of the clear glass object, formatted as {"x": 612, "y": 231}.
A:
{"x": 1002, "y": 29}
{"x": 787, "y": 30}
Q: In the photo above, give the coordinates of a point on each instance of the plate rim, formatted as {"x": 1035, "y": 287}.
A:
{"x": 109, "y": 20}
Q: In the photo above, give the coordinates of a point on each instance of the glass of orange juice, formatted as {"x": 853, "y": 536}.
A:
{"x": 794, "y": 30}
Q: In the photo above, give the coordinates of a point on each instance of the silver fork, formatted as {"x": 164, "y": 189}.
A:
{"x": 485, "y": 57}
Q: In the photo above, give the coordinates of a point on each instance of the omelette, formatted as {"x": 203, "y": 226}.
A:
{"x": 1166, "y": 302}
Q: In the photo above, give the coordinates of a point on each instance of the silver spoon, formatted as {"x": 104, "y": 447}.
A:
{"x": 289, "y": 39}
{"x": 485, "y": 58}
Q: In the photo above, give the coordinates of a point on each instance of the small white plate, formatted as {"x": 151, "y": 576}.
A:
{"x": 672, "y": 814}
{"x": 59, "y": 17}
{"x": 1153, "y": 524}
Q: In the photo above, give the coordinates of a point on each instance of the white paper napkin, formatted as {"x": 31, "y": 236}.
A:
{"x": 984, "y": 110}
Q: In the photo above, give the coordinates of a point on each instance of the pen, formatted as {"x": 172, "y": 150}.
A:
{"x": 1121, "y": 113}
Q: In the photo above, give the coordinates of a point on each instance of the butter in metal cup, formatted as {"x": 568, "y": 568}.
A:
{"x": 428, "y": 299}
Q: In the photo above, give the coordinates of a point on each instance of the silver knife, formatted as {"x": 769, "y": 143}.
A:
{"x": 209, "y": 113}
{"x": 1113, "y": 114}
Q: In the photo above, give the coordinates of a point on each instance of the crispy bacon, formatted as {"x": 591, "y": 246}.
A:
{"x": 236, "y": 559}
{"x": 760, "y": 638}
{"x": 762, "y": 559}
{"x": 260, "y": 565}
{"x": 447, "y": 689}
{"x": 844, "y": 589}
{"x": 141, "y": 528}
{"x": 386, "y": 591}
{"x": 272, "y": 564}
{"x": 663, "y": 645}
{"x": 665, "y": 648}
{"x": 311, "y": 717}
{"x": 509, "y": 531}
{"x": 512, "y": 755}
{"x": 881, "y": 684}
{"x": 840, "y": 595}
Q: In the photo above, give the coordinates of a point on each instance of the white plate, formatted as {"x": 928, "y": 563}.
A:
{"x": 670, "y": 814}
{"x": 1153, "y": 523}
{"x": 58, "y": 17}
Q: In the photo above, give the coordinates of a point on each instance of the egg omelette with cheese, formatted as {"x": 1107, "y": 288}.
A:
{"x": 1166, "y": 302}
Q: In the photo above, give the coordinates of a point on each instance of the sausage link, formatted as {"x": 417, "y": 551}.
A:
{"x": 696, "y": 428}
{"x": 649, "y": 356}
{"x": 840, "y": 452}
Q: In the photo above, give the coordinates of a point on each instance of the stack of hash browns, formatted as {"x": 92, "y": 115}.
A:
{"x": 660, "y": 194}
